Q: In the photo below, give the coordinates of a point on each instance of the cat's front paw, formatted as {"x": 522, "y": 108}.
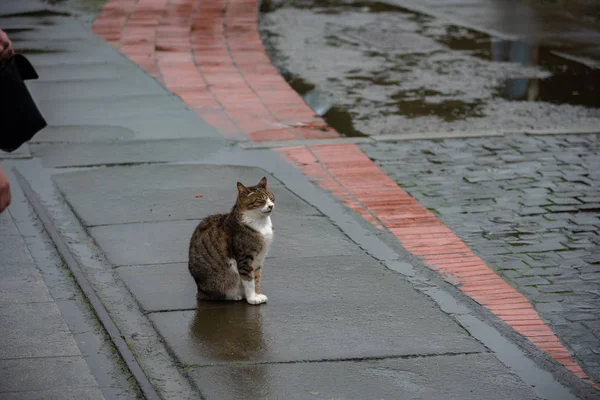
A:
{"x": 257, "y": 299}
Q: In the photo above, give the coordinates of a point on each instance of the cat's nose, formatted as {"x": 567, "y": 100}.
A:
{"x": 270, "y": 207}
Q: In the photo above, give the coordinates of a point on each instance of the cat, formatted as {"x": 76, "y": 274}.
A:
{"x": 227, "y": 251}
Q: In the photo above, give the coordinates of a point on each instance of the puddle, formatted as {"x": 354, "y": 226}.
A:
{"x": 570, "y": 83}
{"x": 546, "y": 78}
{"x": 331, "y": 6}
{"x": 337, "y": 117}
{"x": 447, "y": 110}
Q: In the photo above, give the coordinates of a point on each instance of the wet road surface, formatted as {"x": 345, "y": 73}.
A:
{"x": 372, "y": 69}
{"x": 527, "y": 205}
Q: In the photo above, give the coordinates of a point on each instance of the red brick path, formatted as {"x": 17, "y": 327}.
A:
{"x": 210, "y": 54}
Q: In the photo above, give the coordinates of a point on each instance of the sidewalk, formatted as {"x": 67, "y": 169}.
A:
{"x": 125, "y": 171}
{"x": 46, "y": 327}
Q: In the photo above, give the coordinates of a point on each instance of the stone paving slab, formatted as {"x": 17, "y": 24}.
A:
{"x": 157, "y": 126}
{"x": 160, "y": 205}
{"x": 168, "y": 241}
{"x": 16, "y": 6}
{"x": 70, "y": 111}
{"x": 26, "y": 289}
{"x": 147, "y": 124}
{"x": 128, "y": 85}
{"x": 56, "y": 394}
{"x": 130, "y": 152}
{"x": 82, "y": 134}
{"x": 339, "y": 329}
{"x": 35, "y": 330}
{"x": 163, "y": 177}
{"x": 302, "y": 280}
{"x": 20, "y": 282}
{"x": 38, "y": 374}
{"x": 528, "y": 205}
{"x": 161, "y": 287}
{"x": 89, "y": 72}
{"x": 132, "y": 204}
{"x": 417, "y": 378}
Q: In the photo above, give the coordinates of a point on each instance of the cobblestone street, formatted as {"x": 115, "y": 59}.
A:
{"x": 530, "y": 207}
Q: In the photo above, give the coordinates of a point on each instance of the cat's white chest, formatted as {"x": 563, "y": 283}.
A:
{"x": 265, "y": 228}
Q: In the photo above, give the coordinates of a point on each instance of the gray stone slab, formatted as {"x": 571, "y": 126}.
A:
{"x": 99, "y": 71}
{"x": 307, "y": 280}
{"x": 461, "y": 377}
{"x": 7, "y": 226}
{"x": 13, "y": 251}
{"x": 25, "y": 21}
{"x": 93, "y": 50}
{"x": 94, "y": 207}
{"x": 23, "y": 291}
{"x": 34, "y": 330}
{"x": 95, "y": 89}
{"x": 160, "y": 177}
{"x": 93, "y": 154}
{"x": 56, "y": 394}
{"x": 335, "y": 329}
{"x": 37, "y": 374}
{"x": 44, "y": 46}
{"x": 151, "y": 123}
{"x": 82, "y": 134}
{"x": 45, "y": 32}
{"x": 74, "y": 111}
{"x": 12, "y": 7}
{"x": 168, "y": 241}
{"x": 161, "y": 287}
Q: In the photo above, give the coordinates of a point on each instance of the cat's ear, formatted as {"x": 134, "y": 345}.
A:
{"x": 263, "y": 183}
{"x": 242, "y": 190}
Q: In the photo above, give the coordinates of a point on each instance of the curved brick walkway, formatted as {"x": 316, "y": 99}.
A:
{"x": 210, "y": 54}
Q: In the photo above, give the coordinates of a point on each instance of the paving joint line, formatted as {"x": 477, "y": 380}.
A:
{"x": 415, "y": 136}
{"x": 342, "y": 359}
{"x": 86, "y": 287}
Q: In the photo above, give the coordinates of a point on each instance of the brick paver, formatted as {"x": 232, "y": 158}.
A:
{"x": 210, "y": 54}
{"x": 530, "y": 207}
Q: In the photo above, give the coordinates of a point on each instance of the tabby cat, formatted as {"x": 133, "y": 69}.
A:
{"x": 227, "y": 251}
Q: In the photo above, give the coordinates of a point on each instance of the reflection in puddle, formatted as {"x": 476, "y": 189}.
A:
{"x": 332, "y": 6}
{"x": 448, "y": 110}
{"x": 546, "y": 77}
{"x": 570, "y": 82}
{"x": 231, "y": 332}
{"x": 427, "y": 102}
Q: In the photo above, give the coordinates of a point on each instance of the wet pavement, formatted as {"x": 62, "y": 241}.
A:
{"x": 529, "y": 206}
{"x": 570, "y": 27}
{"x": 372, "y": 68}
{"x": 126, "y": 170}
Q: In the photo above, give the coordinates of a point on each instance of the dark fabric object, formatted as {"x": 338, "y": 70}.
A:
{"x": 20, "y": 118}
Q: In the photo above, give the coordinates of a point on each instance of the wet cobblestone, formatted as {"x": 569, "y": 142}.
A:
{"x": 530, "y": 207}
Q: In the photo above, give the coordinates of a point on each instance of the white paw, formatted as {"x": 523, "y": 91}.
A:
{"x": 257, "y": 299}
